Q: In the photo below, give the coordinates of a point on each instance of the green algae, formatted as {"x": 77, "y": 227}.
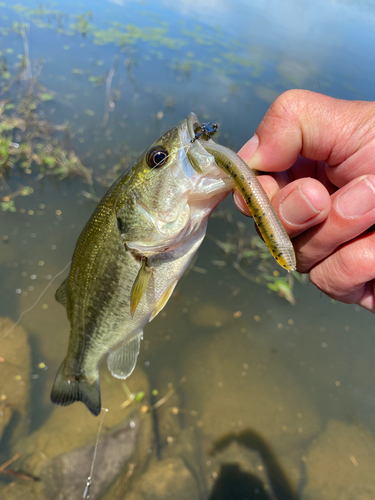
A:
{"x": 156, "y": 35}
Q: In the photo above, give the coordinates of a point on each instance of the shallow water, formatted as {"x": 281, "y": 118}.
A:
{"x": 227, "y": 61}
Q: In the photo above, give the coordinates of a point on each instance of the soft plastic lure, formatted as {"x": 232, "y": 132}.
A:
{"x": 245, "y": 179}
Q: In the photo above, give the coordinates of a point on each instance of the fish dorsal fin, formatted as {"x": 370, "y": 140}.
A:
{"x": 121, "y": 362}
{"x": 139, "y": 285}
{"x": 163, "y": 300}
{"x": 60, "y": 294}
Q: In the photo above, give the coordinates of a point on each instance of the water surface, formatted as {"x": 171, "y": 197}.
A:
{"x": 226, "y": 61}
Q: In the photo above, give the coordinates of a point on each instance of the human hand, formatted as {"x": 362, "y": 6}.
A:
{"x": 320, "y": 153}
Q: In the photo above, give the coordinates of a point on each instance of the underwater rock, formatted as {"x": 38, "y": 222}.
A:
{"x": 237, "y": 385}
{"x": 65, "y": 476}
{"x": 60, "y": 452}
{"x": 14, "y": 378}
{"x": 340, "y": 464}
{"x": 5, "y": 416}
{"x": 50, "y": 325}
{"x": 167, "y": 479}
{"x": 21, "y": 490}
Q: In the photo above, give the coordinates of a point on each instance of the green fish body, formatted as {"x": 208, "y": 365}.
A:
{"x": 129, "y": 257}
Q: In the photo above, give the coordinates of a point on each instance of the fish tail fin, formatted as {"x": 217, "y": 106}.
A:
{"x": 69, "y": 388}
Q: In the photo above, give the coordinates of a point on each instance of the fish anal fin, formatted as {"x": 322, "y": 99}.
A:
{"x": 67, "y": 389}
{"x": 60, "y": 294}
{"x": 122, "y": 361}
{"x": 139, "y": 285}
{"x": 163, "y": 299}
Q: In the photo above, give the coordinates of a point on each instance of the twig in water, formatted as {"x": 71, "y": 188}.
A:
{"x": 109, "y": 104}
{"x": 244, "y": 273}
{"x": 21, "y": 475}
{"x": 27, "y": 73}
{"x": 165, "y": 398}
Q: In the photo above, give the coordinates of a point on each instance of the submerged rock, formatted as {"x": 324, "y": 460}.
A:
{"x": 21, "y": 490}
{"x": 60, "y": 452}
{"x": 167, "y": 479}
{"x": 340, "y": 464}
{"x": 235, "y": 383}
{"x": 65, "y": 476}
{"x": 238, "y": 386}
{"x": 14, "y": 378}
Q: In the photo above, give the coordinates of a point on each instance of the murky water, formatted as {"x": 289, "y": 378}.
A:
{"x": 117, "y": 75}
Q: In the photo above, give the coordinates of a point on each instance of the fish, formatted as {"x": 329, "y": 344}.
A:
{"x": 137, "y": 245}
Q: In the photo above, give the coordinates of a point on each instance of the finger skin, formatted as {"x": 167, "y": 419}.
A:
{"x": 321, "y": 128}
{"x": 338, "y": 228}
{"x": 305, "y": 138}
{"x": 348, "y": 274}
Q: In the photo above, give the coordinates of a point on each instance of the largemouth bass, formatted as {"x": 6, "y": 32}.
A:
{"x": 137, "y": 245}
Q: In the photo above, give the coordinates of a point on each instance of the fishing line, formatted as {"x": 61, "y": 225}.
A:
{"x": 86, "y": 493}
{"x": 35, "y": 303}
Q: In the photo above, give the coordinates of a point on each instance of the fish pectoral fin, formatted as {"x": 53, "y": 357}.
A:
{"x": 68, "y": 388}
{"x": 163, "y": 300}
{"x": 122, "y": 361}
{"x": 139, "y": 285}
{"x": 60, "y": 294}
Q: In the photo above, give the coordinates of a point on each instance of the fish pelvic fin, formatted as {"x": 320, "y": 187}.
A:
{"x": 69, "y": 388}
{"x": 139, "y": 285}
{"x": 122, "y": 361}
{"x": 163, "y": 300}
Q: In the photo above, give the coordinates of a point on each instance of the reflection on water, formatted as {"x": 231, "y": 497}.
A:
{"x": 107, "y": 79}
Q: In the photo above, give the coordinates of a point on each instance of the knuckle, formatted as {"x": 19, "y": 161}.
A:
{"x": 289, "y": 104}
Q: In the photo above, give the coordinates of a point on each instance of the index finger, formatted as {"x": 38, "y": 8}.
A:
{"x": 316, "y": 126}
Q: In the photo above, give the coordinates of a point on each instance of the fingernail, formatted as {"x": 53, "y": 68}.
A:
{"x": 358, "y": 200}
{"x": 248, "y": 149}
{"x": 296, "y": 208}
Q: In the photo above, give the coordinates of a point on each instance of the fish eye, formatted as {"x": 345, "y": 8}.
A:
{"x": 156, "y": 157}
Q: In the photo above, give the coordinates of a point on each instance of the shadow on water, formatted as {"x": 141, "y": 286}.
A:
{"x": 235, "y": 484}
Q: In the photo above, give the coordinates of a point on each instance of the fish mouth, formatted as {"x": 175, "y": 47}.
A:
{"x": 199, "y": 166}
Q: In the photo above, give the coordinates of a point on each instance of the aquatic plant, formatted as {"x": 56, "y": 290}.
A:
{"x": 28, "y": 142}
{"x": 250, "y": 256}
